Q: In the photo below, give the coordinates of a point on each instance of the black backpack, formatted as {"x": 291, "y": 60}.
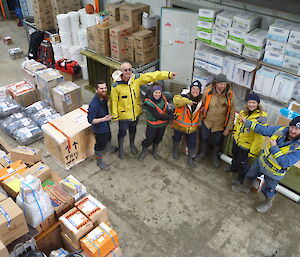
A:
{"x": 36, "y": 39}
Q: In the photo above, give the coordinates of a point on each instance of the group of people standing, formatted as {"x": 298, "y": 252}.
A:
{"x": 210, "y": 115}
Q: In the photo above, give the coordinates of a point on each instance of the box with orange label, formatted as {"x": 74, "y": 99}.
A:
{"x": 93, "y": 209}
{"x": 12, "y": 185}
{"x": 100, "y": 241}
{"x": 75, "y": 224}
{"x": 26, "y": 154}
{"x": 16, "y": 167}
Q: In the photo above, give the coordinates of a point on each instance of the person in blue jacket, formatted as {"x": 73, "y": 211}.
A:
{"x": 99, "y": 117}
{"x": 282, "y": 151}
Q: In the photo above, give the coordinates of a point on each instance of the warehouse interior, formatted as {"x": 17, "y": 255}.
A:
{"x": 159, "y": 208}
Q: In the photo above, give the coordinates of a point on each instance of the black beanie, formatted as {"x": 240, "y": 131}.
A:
{"x": 196, "y": 83}
{"x": 253, "y": 97}
{"x": 295, "y": 122}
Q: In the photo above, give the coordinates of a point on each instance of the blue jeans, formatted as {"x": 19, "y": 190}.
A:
{"x": 257, "y": 170}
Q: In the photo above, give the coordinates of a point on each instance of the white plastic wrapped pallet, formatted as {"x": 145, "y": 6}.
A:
{"x": 34, "y": 202}
{"x": 66, "y": 38}
{"x": 63, "y": 21}
{"x": 58, "y": 54}
{"x": 66, "y": 52}
{"x": 74, "y": 20}
{"x": 82, "y": 18}
{"x": 84, "y": 71}
{"x": 82, "y": 38}
{"x": 75, "y": 53}
{"x": 90, "y": 19}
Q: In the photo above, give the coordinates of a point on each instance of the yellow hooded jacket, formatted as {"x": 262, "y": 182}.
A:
{"x": 246, "y": 138}
{"x": 125, "y": 97}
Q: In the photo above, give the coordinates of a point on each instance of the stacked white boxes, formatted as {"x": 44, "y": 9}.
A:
{"x": 219, "y": 36}
{"x": 255, "y": 42}
{"x": 264, "y": 80}
{"x": 230, "y": 68}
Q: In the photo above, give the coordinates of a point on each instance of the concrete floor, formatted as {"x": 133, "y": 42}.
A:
{"x": 163, "y": 208}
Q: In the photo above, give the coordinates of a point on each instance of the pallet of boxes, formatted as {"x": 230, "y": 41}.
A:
{"x": 35, "y": 202}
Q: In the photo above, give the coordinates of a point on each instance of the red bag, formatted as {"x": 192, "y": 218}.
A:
{"x": 69, "y": 66}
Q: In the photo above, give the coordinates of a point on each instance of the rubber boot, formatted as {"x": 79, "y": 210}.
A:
{"x": 265, "y": 206}
{"x": 155, "y": 152}
{"x": 100, "y": 162}
{"x": 243, "y": 188}
{"x": 133, "y": 148}
{"x": 109, "y": 148}
{"x": 216, "y": 156}
{"x": 142, "y": 154}
{"x": 121, "y": 148}
{"x": 190, "y": 161}
{"x": 202, "y": 153}
{"x": 175, "y": 152}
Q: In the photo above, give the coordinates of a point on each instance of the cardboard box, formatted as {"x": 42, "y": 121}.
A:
{"x": 294, "y": 106}
{"x": 23, "y": 93}
{"x": 93, "y": 209}
{"x": 102, "y": 237}
{"x": 204, "y": 77}
{"x": 75, "y": 225}
{"x": 16, "y": 226}
{"x": 148, "y": 55}
{"x": 217, "y": 58}
{"x": 275, "y": 46}
{"x": 256, "y": 39}
{"x": 12, "y": 185}
{"x": 264, "y": 80}
{"x": 253, "y": 53}
{"x": 204, "y": 36}
{"x": 237, "y": 35}
{"x": 15, "y": 53}
{"x": 26, "y": 154}
{"x": 202, "y": 52}
{"x": 47, "y": 223}
{"x": 280, "y": 30}
{"x": 2, "y": 197}
{"x": 14, "y": 168}
{"x": 5, "y": 161}
{"x": 98, "y": 39}
{"x": 224, "y": 19}
{"x": 283, "y": 121}
{"x": 294, "y": 37}
{"x": 246, "y": 21}
{"x": 246, "y": 73}
{"x": 73, "y": 187}
{"x": 234, "y": 47}
{"x": 114, "y": 9}
{"x": 117, "y": 35}
{"x": 66, "y": 97}
{"x": 291, "y": 62}
{"x": 230, "y": 68}
{"x": 143, "y": 39}
{"x": 283, "y": 87}
{"x": 69, "y": 139}
{"x": 70, "y": 245}
{"x": 205, "y": 26}
{"x": 118, "y": 52}
{"x": 218, "y": 41}
{"x": 3, "y": 250}
{"x": 200, "y": 64}
{"x": 61, "y": 201}
{"x": 214, "y": 69}
{"x": 69, "y": 77}
{"x": 40, "y": 171}
{"x": 29, "y": 68}
{"x": 115, "y": 253}
{"x": 292, "y": 50}
{"x": 131, "y": 14}
{"x": 273, "y": 58}
{"x": 208, "y": 14}
{"x": 46, "y": 80}
{"x": 43, "y": 16}
{"x": 149, "y": 21}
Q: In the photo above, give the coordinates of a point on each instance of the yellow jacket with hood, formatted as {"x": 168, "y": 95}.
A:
{"x": 246, "y": 138}
{"x": 125, "y": 96}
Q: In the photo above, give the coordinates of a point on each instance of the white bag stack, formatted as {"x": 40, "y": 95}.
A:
{"x": 34, "y": 202}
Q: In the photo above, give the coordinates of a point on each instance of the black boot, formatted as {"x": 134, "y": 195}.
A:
{"x": 155, "y": 152}
{"x": 109, "y": 148}
{"x": 142, "y": 154}
{"x": 175, "y": 152}
{"x": 216, "y": 156}
{"x": 133, "y": 148}
{"x": 100, "y": 162}
{"x": 265, "y": 206}
{"x": 202, "y": 153}
{"x": 121, "y": 148}
{"x": 190, "y": 158}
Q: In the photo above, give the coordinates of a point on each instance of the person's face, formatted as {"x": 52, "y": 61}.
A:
{"x": 221, "y": 86}
{"x": 126, "y": 71}
{"x": 294, "y": 132}
{"x": 157, "y": 94}
{"x": 195, "y": 91}
{"x": 102, "y": 90}
{"x": 252, "y": 105}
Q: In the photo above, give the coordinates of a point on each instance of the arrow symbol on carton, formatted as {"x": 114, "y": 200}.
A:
{"x": 67, "y": 148}
{"x": 75, "y": 145}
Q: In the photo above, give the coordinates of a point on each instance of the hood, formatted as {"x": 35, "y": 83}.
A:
{"x": 117, "y": 76}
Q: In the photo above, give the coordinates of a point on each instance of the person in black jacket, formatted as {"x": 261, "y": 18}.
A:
{"x": 99, "y": 117}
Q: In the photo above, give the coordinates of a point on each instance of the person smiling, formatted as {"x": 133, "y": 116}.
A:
{"x": 246, "y": 142}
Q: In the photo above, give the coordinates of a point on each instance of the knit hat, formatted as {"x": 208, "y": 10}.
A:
{"x": 295, "y": 122}
{"x": 196, "y": 83}
{"x": 156, "y": 87}
{"x": 253, "y": 97}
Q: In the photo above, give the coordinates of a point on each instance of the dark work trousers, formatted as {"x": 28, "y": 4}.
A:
{"x": 190, "y": 138}
{"x": 125, "y": 125}
{"x": 154, "y": 135}
{"x": 205, "y": 135}
{"x": 101, "y": 141}
{"x": 239, "y": 161}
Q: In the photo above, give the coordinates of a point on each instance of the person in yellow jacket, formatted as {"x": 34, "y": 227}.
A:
{"x": 187, "y": 120}
{"x": 126, "y": 106}
{"x": 246, "y": 142}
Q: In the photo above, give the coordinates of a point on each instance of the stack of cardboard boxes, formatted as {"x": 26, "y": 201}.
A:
{"x": 145, "y": 46}
{"x": 43, "y": 16}
{"x": 98, "y": 39}
{"x": 117, "y": 36}
{"x": 114, "y": 11}
{"x": 64, "y": 6}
